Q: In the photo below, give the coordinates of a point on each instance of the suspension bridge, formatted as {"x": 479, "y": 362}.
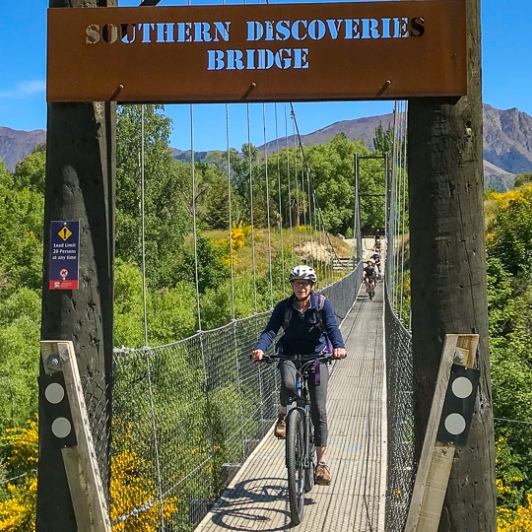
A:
{"x": 208, "y": 411}
{"x": 182, "y": 431}
{"x": 192, "y": 442}
{"x": 193, "y": 420}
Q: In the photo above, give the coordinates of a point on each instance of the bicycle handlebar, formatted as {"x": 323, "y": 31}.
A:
{"x": 302, "y": 357}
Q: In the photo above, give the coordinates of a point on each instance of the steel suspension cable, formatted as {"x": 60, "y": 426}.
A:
{"x": 194, "y": 221}
{"x": 146, "y": 348}
{"x": 251, "y": 214}
{"x": 398, "y": 201}
{"x": 280, "y": 198}
{"x": 404, "y": 200}
{"x": 297, "y": 202}
{"x": 230, "y": 213}
{"x": 196, "y": 274}
{"x": 309, "y": 202}
{"x": 304, "y": 165}
{"x": 143, "y": 225}
{"x": 267, "y": 204}
{"x": 291, "y": 222}
{"x": 396, "y": 210}
{"x": 399, "y": 186}
{"x": 401, "y": 213}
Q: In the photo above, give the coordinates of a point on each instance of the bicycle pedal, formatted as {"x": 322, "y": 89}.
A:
{"x": 322, "y": 482}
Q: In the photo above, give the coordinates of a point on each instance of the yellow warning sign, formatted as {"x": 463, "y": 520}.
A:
{"x": 65, "y": 233}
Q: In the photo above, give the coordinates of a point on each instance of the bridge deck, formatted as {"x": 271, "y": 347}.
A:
{"x": 257, "y": 498}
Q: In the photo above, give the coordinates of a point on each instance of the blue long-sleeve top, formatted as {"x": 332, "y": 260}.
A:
{"x": 303, "y": 334}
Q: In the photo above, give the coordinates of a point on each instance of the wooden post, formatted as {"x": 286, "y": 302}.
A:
{"x": 81, "y": 467}
{"x": 80, "y": 169}
{"x": 448, "y": 275}
{"x": 436, "y": 457}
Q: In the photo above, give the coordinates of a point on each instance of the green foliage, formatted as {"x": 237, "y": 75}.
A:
{"x": 19, "y": 367}
{"x": 509, "y": 477}
{"x": 19, "y": 447}
{"x": 128, "y": 307}
{"x": 209, "y": 261}
{"x": 173, "y": 314}
{"x": 30, "y": 172}
{"x": 21, "y": 228}
{"x": 523, "y": 179}
{"x": 513, "y": 234}
{"x": 383, "y": 140}
{"x": 509, "y": 266}
{"x": 167, "y": 212}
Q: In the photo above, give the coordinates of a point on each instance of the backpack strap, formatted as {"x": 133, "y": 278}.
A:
{"x": 287, "y": 314}
{"x": 319, "y": 311}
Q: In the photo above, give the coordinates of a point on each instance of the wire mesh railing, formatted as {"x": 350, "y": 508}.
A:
{"x": 400, "y": 408}
{"x": 401, "y": 468}
{"x": 186, "y": 415}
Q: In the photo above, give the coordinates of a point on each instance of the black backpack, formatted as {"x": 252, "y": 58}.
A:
{"x": 319, "y": 319}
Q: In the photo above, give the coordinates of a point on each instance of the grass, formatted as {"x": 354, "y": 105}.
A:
{"x": 307, "y": 244}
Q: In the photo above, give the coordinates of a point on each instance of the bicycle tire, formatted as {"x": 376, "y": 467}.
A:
{"x": 295, "y": 442}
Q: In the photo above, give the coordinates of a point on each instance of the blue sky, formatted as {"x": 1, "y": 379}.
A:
{"x": 507, "y": 79}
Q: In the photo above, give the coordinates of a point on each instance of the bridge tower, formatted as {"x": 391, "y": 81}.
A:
{"x": 448, "y": 272}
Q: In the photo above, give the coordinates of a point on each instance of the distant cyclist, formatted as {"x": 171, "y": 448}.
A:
{"x": 369, "y": 275}
{"x": 306, "y": 331}
{"x": 377, "y": 244}
{"x": 376, "y": 258}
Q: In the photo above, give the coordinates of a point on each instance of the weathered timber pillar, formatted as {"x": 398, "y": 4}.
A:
{"x": 80, "y": 170}
{"x": 448, "y": 269}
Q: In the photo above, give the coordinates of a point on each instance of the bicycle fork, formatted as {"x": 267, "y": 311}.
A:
{"x": 305, "y": 453}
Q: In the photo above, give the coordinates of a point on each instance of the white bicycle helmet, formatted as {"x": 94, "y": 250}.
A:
{"x": 304, "y": 273}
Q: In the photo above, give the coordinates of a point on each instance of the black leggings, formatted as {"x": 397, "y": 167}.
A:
{"x": 318, "y": 397}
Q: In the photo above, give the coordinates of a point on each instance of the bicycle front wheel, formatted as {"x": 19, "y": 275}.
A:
{"x": 295, "y": 457}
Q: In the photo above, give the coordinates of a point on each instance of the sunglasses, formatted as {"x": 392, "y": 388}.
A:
{"x": 302, "y": 284}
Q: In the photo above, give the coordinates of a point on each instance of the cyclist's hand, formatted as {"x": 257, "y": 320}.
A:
{"x": 257, "y": 355}
{"x": 339, "y": 353}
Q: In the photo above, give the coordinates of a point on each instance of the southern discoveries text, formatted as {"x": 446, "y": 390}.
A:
{"x": 255, "y": 58}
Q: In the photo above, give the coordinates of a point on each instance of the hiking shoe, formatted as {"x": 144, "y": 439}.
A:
{"x": 323, "y": 475}
{"x": 280, "y": 427}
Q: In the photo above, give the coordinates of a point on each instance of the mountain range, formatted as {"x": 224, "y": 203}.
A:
{"x": 507, "y": 142}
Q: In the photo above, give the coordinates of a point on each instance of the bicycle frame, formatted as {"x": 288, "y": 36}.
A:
{"x": 302, "y": 400}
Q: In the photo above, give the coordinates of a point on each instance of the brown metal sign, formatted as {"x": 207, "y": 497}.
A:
{"x": 281, "y": 52}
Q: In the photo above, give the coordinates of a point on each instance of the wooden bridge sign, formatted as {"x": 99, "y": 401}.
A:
{"x": 286, "y": 52}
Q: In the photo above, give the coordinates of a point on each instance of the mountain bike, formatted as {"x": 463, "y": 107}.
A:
{"x": 370, "y": 288}
{"x": 300, "y": 448}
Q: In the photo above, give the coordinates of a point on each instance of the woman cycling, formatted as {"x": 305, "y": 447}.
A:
{"x": 305, "y": 332}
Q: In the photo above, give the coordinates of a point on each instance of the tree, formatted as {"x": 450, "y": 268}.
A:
{"x": 523, "y": 178}
{"x": 166, "y": 182}
{"x": 448, "y": 274}
{"x": 30, "y": 172}
{"x": 22, "y": 232}
{"x": 332, "y": 175}
{"x": 19, "y": 340}
{"x": 383, "y": 140}
{"x": 210, "y": 265}
{"x": 511, "y": 238}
